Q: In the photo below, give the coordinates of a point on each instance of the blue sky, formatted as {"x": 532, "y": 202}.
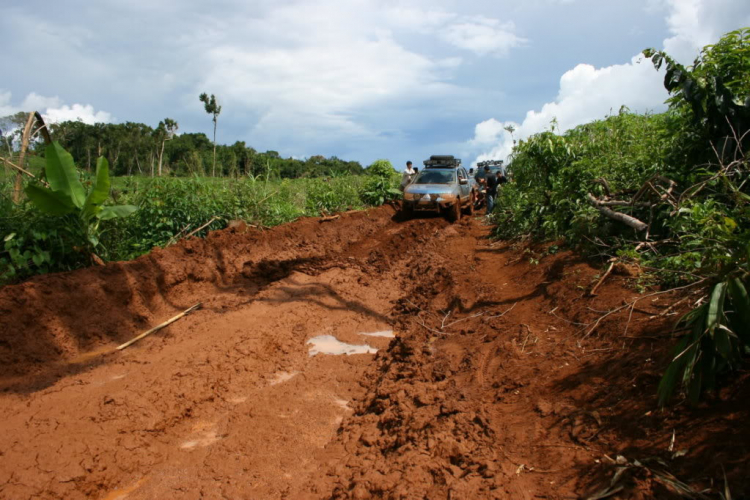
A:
{"x": 359, "y": 79}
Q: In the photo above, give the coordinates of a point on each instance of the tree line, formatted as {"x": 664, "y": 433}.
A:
{"x": 138, "y": 149}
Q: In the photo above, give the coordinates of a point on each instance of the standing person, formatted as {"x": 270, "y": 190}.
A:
{"x": 408, "y": 175}
{"x": 491, "y": 186}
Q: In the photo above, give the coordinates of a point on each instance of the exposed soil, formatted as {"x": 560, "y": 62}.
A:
{"x": 490, "y": 389}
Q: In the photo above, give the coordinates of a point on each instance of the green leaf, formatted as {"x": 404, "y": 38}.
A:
{"x": 668, "y": 382}
{"x": 741, "y": 306}
{"x": 9, "y": 237}
{"x": 38, "y": 259}
{"x": 716, "y": 307}
{"x": 100, "y": 192}
{"x": 62, "y": 174}
{"x": 723, "y": 343}
{"x": 48, "y": 201}
{"x": 116, "y": 211}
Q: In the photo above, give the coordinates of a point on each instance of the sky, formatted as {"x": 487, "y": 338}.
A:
{"x": 357, "y": 79}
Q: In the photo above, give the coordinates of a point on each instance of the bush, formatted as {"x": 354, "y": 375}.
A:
{"x": 683, "y": 175}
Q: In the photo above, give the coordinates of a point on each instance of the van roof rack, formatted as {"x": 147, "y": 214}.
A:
{"x": 489, "y": 163}
{"x": 444, "y": 161}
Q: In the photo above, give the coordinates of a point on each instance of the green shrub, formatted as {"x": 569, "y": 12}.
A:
{"x": 685, "y": 174}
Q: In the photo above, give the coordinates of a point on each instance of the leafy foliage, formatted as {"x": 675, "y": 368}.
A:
{"x": 136, "y": 148}
{"x": 168, "y": 208}
{"x": 381, "y": 184}
{"x": 66, "y": 196}
{"x": 685, "y": 174}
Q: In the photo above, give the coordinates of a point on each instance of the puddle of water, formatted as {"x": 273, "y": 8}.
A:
{"x": 328, "y": 344}
{"x": 385, "y": 333}
{"x": 281, "y": 377}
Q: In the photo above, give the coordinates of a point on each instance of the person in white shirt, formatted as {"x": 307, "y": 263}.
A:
{"x": 408, "y": 176}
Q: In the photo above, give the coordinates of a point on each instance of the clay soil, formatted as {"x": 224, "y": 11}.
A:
{"x": 490, "y": 389}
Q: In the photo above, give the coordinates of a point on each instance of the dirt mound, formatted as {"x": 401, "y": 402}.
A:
{"x": 59, "y": 317}
{"x": 484, "y": 385}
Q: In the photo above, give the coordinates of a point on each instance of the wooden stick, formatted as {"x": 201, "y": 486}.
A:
{"x": 202, "y": 227}
{"x": 329, "y": 218}
{"x": 11, "y": 164}
{"x": 604, "y": 276}
{"x": 157, "y": 328}
{"x": 18, "y": 186}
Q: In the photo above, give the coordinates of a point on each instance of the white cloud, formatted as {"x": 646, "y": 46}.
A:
{"x": 483, "y": 36}
{"x": 53, "y": 109}
{"x": 81, "y": 112}
{"x": 488, "y": 132}
{"x": 335, "y": 65}
{"x": 588, "y": 93}
{"x": 697, "y": 23}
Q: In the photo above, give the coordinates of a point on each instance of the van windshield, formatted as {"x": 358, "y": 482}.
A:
{"x": 435, "y": 177}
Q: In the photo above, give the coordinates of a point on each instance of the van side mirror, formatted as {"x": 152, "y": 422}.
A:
{"x": 463, "y": 181}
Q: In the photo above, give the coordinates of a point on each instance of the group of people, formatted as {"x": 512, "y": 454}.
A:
{"x": 490, "y": 182}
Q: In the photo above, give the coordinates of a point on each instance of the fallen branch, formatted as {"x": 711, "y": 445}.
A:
{"x": 329, "y": 218}
{"x": 157, "y": 328}
{"x": 628, "y": 220}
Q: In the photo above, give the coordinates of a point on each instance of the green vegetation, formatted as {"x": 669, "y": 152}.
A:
{"x": 668, "y": 191}
{"x": 137, "y": 149}
{"x": 381, "y": 182}
{"x": 60, "y": 228}
{"x": 38, "y": 239}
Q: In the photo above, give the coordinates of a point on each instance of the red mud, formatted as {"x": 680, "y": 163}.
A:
{"x": 489, "y": 389}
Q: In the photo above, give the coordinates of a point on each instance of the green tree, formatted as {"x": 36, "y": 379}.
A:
{"x": 212, "y": 108}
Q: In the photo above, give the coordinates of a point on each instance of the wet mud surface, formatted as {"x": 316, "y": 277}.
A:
{"x": 367, "y": 357}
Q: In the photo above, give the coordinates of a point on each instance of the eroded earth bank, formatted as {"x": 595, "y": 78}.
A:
{"x": 482, "y": 386}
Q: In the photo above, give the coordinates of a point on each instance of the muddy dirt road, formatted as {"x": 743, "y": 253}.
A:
{"x": 463, "y": 373}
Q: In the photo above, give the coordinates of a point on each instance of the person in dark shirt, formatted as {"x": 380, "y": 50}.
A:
{"x": 501, "y": 179}
{"x": 491, "y": 187}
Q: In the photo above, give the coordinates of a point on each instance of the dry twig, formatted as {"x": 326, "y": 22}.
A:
{"x": 632, "y": 304}
{"x": 202, "y": 227}
{"x": 329, "y": 218}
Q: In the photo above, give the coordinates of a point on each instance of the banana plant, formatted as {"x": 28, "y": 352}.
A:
{"x": 66, "y": 195}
